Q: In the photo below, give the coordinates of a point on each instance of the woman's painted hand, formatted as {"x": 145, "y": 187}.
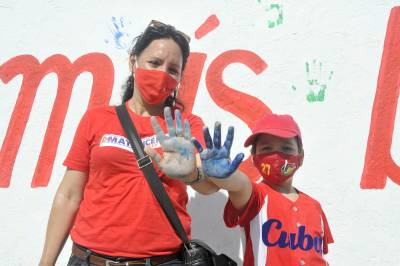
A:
{"x": 178, "y": 154}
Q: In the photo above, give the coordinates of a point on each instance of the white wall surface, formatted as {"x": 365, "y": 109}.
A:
{"x": 346, "y": 37}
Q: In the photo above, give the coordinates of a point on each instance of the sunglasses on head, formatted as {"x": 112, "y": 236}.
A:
{"x": 155, "y": 24}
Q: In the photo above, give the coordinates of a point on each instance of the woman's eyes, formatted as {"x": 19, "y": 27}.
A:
{"x": 173, "y": 72}
{"x": 154, "y": 63}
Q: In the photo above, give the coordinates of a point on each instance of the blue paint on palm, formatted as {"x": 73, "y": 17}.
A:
{"x": 215, "y": 159}
{"x": 178, "y": 157}
{"x": 186, "y": 153}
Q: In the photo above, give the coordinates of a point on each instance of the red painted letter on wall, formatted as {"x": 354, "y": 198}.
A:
{"x": 191, "y": 79}
{"x": 379, "y": 163}
{"x": 242, "y": 105}
{"x": 99, "y": 65}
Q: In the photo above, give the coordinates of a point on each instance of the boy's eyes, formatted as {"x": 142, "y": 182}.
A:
{"x": 288, "y": 148}
{"x": 265, "y": 148}
{"x": 285, "y": 149}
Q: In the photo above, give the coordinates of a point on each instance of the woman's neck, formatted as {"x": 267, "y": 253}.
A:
{"x": 141, "y": 108}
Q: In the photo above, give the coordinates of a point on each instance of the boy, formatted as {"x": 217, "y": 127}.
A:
{"x": 282, "y": 225}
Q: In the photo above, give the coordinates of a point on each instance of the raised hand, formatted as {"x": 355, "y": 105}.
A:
{"x": 178, "y": 158}
{"x": 215, "y": 160}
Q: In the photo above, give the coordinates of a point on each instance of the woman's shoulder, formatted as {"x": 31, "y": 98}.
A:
{"x": 98, "y": 114}
{"x": 191, "y": 117}
{"x": 100, "y": 111}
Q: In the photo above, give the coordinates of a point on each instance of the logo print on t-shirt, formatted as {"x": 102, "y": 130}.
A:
{"x": 117, "y": 141}
{"x": 294, "y": 241}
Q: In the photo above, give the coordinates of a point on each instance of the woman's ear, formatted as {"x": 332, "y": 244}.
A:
{"x": 132, "y": 64}
{"x": 178, "y": 87}
{"x": 180, "y": 79}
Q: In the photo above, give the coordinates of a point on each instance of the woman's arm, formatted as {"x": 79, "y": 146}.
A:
{"x": 238, "y": 186}
{"x": 205, "y": 186}
{"x": 65, "y": 206}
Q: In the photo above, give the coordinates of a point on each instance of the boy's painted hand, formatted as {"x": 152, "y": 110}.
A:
{"x": 178, "y": 158}
{"x": 215, "y": 159}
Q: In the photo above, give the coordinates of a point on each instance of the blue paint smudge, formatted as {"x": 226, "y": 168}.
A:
{"x": 119, "y": 33}
{"x": 185, "y": 153}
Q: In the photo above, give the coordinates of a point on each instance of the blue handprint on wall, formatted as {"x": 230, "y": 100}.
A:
{"x": 120, "y": 35}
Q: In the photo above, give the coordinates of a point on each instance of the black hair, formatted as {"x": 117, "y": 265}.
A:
{"x": 141, "y": 42}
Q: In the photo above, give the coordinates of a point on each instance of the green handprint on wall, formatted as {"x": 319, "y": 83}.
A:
{"x": 275, "y": 18}
{"x": 279, "y": 20}
{"x": 316, "y": 83}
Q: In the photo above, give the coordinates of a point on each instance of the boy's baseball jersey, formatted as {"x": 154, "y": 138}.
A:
{"x": 279, "y": 231}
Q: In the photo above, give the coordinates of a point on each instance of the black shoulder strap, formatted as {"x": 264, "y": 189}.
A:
{"x": 145, "y": 164}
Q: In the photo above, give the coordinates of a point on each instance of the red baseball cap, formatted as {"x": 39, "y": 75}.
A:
{"x": 282, "y": 126}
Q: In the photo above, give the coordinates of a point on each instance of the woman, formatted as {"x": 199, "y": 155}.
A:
{"x": 104, "y": 200}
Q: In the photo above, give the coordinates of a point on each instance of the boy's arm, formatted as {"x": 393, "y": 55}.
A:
{"x": 238, "y": 186}
{"x": 217, "y": 165}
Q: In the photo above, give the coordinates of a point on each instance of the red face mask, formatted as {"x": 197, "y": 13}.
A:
{"x": 154, "y": 85}
{"x": 277, "y": 167}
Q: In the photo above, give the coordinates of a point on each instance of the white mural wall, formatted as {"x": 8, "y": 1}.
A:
{"x": 324, "y": 62}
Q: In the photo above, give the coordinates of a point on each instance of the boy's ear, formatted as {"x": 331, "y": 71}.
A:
{"x": 252, "y": 153}
{"x": 301, "y": 157}
{"x": 253, "y": 149}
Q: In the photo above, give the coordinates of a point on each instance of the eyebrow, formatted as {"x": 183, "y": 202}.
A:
{"x": 285, "y": 142}
{"x": 288, "y": 142}
{"x": 160, "y": 59}
{"x": 175, "y": 66}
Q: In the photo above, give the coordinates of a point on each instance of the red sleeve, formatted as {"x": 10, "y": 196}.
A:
{"x": 328, "y": 239}
{"x": 78, "y": 155}
{"x": 233, "y": 216}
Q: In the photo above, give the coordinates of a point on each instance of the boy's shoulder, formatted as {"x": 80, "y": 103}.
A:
{"x": 264, "y": 190}
{"x": 261, "y": 187}
{"x": 310, "y": 199}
